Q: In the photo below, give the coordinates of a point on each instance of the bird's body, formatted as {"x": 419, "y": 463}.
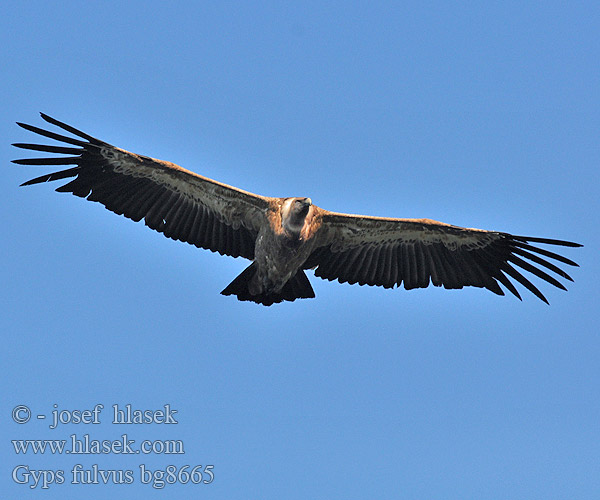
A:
{"x": 278, "y": 255}
{"x": 286, "y": 236}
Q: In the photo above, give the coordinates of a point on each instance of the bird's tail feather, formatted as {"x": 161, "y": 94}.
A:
{"x": 297, "y": 287}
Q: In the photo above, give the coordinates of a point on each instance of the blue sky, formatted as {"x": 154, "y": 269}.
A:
{"x": 477, "y": 114}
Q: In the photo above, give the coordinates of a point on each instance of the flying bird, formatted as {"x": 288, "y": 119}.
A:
{"x": 284, "y": 237}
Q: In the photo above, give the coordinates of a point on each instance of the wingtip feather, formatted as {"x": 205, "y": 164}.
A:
{"x": 548, "y": 241}
{"x": 70, "y": 129}
{"x": 48, "y": 118}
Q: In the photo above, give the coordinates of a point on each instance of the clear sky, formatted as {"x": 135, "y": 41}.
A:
{"x": 480, "y": 114}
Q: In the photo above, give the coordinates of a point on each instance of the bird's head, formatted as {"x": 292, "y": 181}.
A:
{"x": 300, "y": 206}
{"x": 293, "y": 214}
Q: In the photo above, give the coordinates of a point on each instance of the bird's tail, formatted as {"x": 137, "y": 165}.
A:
{"x": 297, "y": 287}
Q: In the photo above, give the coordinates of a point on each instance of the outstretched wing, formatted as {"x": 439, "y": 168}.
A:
{"x": 176, "y": 202}
{"x": 414, "y": 252}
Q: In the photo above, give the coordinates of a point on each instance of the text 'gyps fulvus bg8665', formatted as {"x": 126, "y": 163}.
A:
{"x": 285, "y": 236}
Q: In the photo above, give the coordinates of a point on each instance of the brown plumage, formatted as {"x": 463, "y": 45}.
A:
{"x": 285, "y": 236}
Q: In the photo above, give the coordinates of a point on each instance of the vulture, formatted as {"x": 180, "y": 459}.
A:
{"x": 284, "y": 237}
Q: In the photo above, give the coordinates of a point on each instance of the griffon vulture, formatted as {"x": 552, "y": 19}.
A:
{"x": 285, "y": 236}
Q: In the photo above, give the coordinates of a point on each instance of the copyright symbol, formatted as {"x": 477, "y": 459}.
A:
{"x": 21, "y": 414}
